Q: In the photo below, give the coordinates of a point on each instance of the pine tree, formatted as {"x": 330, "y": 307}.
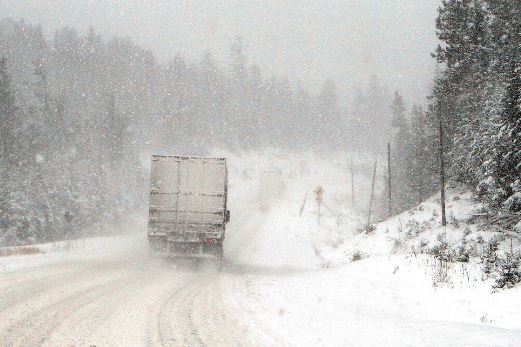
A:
{"x": 8, "y": 118}
{"x": 477, "y": 95}
{"x": 422, "y": 160}
{"x": 401, "y": 146}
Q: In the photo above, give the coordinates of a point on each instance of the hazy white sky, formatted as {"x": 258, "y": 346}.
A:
{"x": 304, "y": 40}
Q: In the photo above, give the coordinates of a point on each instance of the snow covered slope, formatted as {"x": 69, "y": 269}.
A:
{"x": 386, "y": 287}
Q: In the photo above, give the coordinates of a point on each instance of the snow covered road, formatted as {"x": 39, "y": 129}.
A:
{"x": 129, "y": 299}
{"x": 109, "y": 301}
{"x": 124, "y": 297}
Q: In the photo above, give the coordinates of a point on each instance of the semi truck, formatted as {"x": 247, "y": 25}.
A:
{"x": 188, "y": 207}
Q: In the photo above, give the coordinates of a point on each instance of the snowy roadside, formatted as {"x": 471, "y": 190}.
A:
{"x": 378, "y": 301}
{"x": 377, "y": 288}
{"x": 73, "y": 250}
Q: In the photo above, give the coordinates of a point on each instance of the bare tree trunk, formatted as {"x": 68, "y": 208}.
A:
{"x": 370, "y": 212}
{"x": 442, "y": 172}
{"x": 389, "y": 179}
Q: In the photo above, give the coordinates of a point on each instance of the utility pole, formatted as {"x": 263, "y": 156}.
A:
{"x": 352, "y": 183}
{"x": 442, "y": 171}
{"x": 370, "y": 212}
{"x": 389, "y": 180}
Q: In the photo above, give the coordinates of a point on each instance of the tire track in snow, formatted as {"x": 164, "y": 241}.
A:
{"x": 81, "y": 326}
{"x": 30, "y": 288}
{"x": 15, "y": 279}
{"x": 175, "y": 323}
{"x": 34, "y": 328}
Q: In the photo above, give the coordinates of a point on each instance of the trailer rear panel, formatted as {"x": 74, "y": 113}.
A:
{"x": 187, "y": 211}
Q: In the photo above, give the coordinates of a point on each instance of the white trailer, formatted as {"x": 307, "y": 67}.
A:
{"x": 187, "y": 206}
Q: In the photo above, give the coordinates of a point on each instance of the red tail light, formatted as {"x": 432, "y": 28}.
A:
{"x": 211, "y": 241}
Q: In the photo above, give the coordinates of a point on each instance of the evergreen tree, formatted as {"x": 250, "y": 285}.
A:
{"x": 422, "y": 160}
{"x": 400, "y": 147}
{"x": 477, "y": 95}
{"x": 7, "y": 117}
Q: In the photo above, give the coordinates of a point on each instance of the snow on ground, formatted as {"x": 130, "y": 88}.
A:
{"x": 75, "y": 250}
{"x": 392, "y": 295}
{"x": 267, "y": 192}
{"x": 379, "y": 301}
{"x": 290, "y": 279}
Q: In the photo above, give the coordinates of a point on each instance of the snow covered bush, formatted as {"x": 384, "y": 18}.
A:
{"x": 513, "y": 203}
{"x": 509, "y": 272}
{"x": 489, "y": 257}
{"x": 357, "y": 255}
{"x": 442, "y": 256}
{"x": 462, "y": 253}
{"x": 414, "y": 228}
{"x": 441, "y": 249}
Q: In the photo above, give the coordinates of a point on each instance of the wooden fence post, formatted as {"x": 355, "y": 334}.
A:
{"x": 319, "y": 195}
{"x": 389, "y": 179}
{"x": 369, "y": 213}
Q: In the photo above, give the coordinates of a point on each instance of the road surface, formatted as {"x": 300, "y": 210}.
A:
{"x": 126, "y": 298}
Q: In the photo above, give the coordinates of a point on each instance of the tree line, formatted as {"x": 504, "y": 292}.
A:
{"x": 81, "y": 114}
{"x": 476, "y": 100}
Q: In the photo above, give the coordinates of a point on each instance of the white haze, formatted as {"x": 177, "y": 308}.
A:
{"x": 307, "y": 41}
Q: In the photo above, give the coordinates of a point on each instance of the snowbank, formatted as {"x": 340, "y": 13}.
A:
{"x": 379, "y": 301}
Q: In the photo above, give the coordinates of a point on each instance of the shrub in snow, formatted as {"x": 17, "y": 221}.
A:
{"x": 414, "y": 228}
{"x": 357, "y": 255}
{"x": 369, "y": 228}
{"x": 489, "y": 257}
{"x": 441, "y": 250}
{"x": 489, "y": 189}
{"x": 462, "y": 254}
{"x": 513, "y": 203}
{"x": 443, "y": 256}
{"x": 486, "y": 186}
{"x": 509, "y": 273}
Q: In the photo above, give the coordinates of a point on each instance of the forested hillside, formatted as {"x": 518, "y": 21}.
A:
{"x": 81, "y": 114}
{"x": 477, "y": 100}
